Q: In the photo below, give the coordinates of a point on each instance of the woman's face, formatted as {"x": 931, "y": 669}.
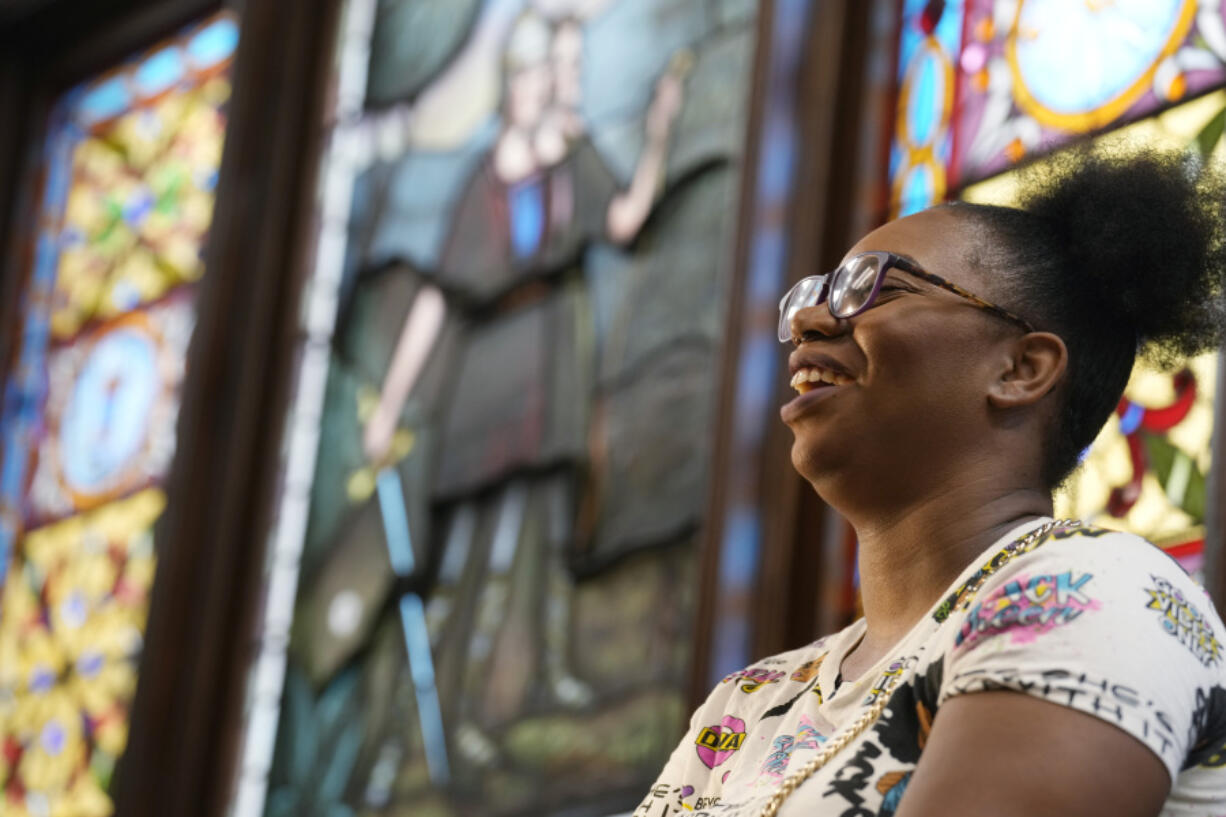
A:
{"x": 910, "y": 398}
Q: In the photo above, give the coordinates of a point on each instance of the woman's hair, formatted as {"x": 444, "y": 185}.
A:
{"x": 1117, "y": 254}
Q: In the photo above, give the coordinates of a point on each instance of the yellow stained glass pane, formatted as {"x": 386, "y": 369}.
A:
{"x": 74, "y": 607}
{"x": 1169, "y": 507}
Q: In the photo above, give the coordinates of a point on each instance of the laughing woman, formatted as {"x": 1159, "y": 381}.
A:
{"x": 950, "y": 373}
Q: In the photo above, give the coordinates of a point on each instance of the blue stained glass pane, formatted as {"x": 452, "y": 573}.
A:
{"x": 7, "y": 535}
{"x": 776, "y": 176}
{"x": 769, "y": 253}
{"x": 1131, "y": 420}
{"x": 107, "y": 99}
{"x": 758, "y": 366}
{"x": 207, "y": 181}
{"x": 10, "y": 477}
{"x": 741, "y": 546}
{"x": 1142, "y": 29}
{"x": 159, "y": 72}
{"x": 213, "y": 43}
{"x": 58, "y": 163}
{"x": 917, "y": 191}
{"x": 395, "y": 521}
{"x": 925, "y": 103}
{"x": 138, "y": 206}
{"x": 527, "y": 205}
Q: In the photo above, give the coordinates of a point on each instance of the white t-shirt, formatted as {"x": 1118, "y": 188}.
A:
{"x": 1099, "y": 621}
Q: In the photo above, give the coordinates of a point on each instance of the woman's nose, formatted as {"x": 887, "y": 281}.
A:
{"x": 816, "y": 319}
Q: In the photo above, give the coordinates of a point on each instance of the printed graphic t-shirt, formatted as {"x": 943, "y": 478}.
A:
{"x": 1095, "y": 620}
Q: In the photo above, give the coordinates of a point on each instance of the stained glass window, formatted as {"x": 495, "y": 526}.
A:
{"x": 929, "y": 38}
{"x": 1148, "y": 470}
{"x": 129, "y": 169}
{"x": 1012, "y": 79}
{"x": 529, "y": 219}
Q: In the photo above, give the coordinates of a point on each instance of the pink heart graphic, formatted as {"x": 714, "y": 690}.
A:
{"x": 716, "y": 743}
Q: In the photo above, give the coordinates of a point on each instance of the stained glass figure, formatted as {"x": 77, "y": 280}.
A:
{"x": 530, "y": 309}
{"x": 89, "y": 411}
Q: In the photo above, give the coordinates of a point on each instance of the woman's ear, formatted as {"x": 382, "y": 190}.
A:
{"x": 1034, "y": 365}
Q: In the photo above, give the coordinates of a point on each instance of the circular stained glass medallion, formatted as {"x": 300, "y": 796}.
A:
{"x": 107, "y": 418}
{"x": 1079, "y": 64}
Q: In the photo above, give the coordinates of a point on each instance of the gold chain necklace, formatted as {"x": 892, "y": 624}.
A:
{"x": 870, "y": 715}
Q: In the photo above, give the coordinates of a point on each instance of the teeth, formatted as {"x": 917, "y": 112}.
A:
{"x": 802, "y": 381}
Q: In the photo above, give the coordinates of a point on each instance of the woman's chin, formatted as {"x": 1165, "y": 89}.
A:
{"x": 816, "y": 458}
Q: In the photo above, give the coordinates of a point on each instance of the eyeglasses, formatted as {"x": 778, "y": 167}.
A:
{"x": 854, "y": 286}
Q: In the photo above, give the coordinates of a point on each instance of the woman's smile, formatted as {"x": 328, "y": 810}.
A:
{"x": 811, "y": 393}
{"x": 815, "y": 377}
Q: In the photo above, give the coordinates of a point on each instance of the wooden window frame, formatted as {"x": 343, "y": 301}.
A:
{"x": 211, "y": 540}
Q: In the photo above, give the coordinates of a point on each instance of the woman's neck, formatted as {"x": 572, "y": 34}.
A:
{"x": 909, "y": 556}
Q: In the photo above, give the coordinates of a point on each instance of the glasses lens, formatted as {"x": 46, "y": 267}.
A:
{"x": 803, "y": 295}
{"x": 853, "y": 285}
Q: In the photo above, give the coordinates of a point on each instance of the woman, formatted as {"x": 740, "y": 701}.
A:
{"x": 949, "y": 375}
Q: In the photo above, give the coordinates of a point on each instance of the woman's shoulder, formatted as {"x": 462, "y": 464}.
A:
{"x": 1106, "y": 556}
{"x": 1100, "y": 621}
{"x": 1088, "y": 569}
{"x": 1096, "y": 553}
{"x": 1092, "y": 592}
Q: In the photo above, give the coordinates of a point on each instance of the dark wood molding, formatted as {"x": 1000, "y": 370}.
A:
{"x": 66, "y": 41}
{"x": 841, "y": 192}
{"x": 1215, "y": 523}
{"x": 711, "y": 536}
{"x": 188, "y": 707}
{"x": 793, "y": 591}
{"x": 803, "y": 548}
{"x": 17, "y": 145}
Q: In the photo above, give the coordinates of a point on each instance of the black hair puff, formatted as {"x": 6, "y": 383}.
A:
{"x": 1144, "y": 236}
{"x": 1117, "y": 253}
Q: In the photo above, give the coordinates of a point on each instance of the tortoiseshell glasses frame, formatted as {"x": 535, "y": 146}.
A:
{"x": 855, "y": 285}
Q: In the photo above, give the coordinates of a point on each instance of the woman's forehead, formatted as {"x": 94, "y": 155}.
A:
{"x": 940, "y": 240}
